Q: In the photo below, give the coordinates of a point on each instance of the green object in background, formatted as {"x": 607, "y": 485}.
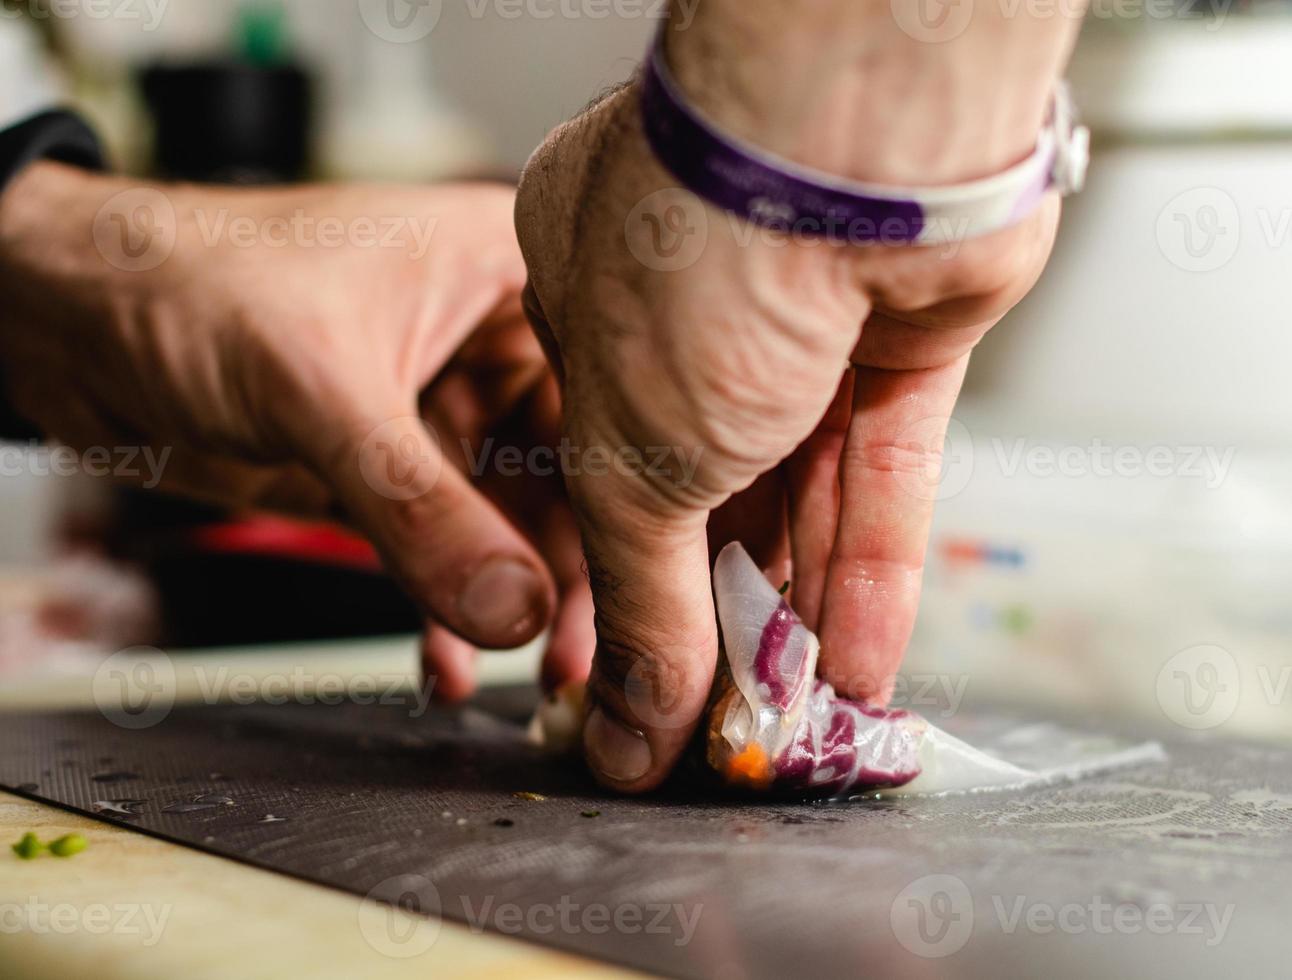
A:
{"x": 262, "y": 32}
{"x": 1016, "y": 619}
{"x": 65, "y": 847}
{"x": 30, "y": 847}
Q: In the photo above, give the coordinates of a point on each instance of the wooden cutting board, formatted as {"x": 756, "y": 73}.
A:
{"x": 136, "y": 907}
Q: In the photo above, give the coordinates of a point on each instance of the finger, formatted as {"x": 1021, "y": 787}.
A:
{"x": 454, "y": 552}
{"x": 448, "y": 665}
{"x": 656, "y": 632}
{"x": 812, "y": 476}
{"x": 889, "y": 472}
{"x": 568, "y": 658}
{"x": 570, "y": 649}
{"x": 534, "y": 498}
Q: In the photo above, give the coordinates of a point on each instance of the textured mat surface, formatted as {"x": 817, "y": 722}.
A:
{"x": 1175, "y": 870}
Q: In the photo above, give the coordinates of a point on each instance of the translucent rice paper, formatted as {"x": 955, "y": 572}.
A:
{"x": 775, "y": 726}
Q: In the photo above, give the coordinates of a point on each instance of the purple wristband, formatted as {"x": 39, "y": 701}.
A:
{"x": 773, "y": 192}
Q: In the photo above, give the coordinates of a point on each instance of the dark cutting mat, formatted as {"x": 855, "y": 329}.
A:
{"x": 371, "y": 801}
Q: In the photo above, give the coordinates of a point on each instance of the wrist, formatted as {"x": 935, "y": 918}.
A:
{"x": 53, "y": 277}
{"x": 46, "y": 226}
{"x": 841, "y": 86}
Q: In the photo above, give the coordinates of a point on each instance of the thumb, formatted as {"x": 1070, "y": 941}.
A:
{"x": 648, "y": 564}
{"x": 448, "y": 546}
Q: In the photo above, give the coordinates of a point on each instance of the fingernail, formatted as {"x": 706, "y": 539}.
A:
{"x": 504, "y": 597}
{"x": 616, "y": 752}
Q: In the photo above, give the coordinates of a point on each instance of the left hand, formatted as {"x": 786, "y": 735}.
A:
{"x": 319, "y": 350}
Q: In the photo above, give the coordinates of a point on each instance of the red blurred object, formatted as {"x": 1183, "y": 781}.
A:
{"x": 281, "y": 537}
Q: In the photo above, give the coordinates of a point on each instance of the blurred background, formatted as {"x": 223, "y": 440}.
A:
{"x": 1113, "y": 528}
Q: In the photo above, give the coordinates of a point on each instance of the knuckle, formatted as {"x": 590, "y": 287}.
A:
{"x": 902, "y": 457}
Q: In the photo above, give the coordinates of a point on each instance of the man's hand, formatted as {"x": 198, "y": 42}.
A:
{"x": 321, "y": 350}
{"x": 810, "y": 385}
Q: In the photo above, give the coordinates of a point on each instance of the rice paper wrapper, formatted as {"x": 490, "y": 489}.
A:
{"x": 774, "y": 726}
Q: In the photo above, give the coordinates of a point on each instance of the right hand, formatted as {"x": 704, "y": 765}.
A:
{"x": 813, "y": 381}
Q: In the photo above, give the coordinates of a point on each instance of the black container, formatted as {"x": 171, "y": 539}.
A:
{"x": 230, "y": 122}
